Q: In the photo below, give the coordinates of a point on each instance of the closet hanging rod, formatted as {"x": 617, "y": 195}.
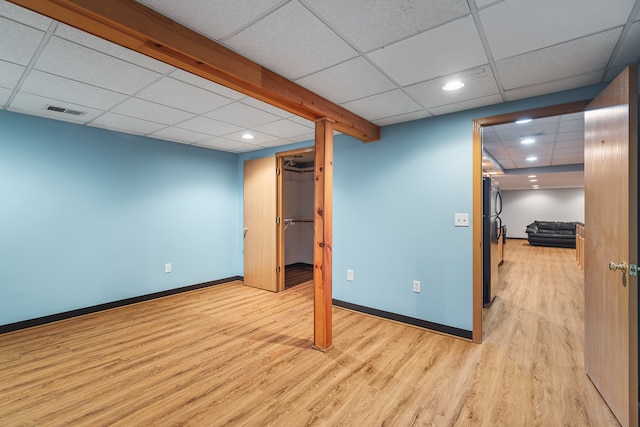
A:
{"x": 293, "y": 221}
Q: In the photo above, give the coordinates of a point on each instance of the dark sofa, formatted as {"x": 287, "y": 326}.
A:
{"x": 552, "y": 233}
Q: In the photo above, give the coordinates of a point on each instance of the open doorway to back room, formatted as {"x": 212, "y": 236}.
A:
{"x": 538, "y": 165}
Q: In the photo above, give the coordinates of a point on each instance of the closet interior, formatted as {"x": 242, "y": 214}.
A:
{"x": 298, "y": 222}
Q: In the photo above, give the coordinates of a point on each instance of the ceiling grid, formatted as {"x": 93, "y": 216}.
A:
{"x": 386, "y": 61}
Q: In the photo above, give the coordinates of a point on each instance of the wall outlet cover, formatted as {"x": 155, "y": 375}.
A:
{"x": 461, "y": 220}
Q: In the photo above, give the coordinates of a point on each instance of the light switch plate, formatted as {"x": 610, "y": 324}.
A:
{"x": 350, "y": 275}
{"x": 461, "y": 219}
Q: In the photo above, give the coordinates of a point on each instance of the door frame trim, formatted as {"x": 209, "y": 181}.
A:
{"x": 478, "y": 124}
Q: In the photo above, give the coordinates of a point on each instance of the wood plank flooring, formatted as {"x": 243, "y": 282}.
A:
{"x": 232, "y": 355}
{"x": 297, "y": 274}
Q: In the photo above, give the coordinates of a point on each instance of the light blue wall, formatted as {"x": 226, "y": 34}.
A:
{"x": 394, "y": 203}
{"x": 393, "y": 212}
{"x": 89, "y": 216}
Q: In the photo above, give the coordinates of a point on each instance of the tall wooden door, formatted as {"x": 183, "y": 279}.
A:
{"x": 611, "y": 236}
{"x": 260, "y": 228}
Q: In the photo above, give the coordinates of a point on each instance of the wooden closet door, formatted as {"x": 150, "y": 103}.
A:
{"x": 260, "y": 258}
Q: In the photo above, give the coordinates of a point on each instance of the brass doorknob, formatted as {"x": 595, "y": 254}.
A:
{"x": 622, "y": 266}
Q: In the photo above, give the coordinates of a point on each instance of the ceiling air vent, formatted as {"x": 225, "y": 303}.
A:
{"x": 64, "y": 110}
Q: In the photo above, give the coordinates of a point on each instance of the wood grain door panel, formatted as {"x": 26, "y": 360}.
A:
{"x": 260, "y": 257}
{"x": 611, "y": 299}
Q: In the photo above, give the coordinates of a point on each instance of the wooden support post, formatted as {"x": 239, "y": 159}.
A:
{"x": 322, "y": 235}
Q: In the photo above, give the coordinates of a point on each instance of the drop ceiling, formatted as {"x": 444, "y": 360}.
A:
{"x": 384, "y": 60}
{"x": 546, "y": 152}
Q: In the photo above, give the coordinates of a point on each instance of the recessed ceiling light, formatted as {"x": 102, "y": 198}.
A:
{"x": 532, "y": 159}
{"x": 533, "y": 180}
{"x": 531, "y": 176}
{"x": 523, "y": 121}
{"x": 453, "y": 85}
{"x": 535, "y": 187}
{"x": 247, "y": 136}
{"x": 528, "y": 141}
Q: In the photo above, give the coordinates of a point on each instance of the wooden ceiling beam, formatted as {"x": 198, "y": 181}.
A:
{"x": 137, "y": 27}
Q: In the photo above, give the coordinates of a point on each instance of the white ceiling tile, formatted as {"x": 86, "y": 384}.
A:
{"x": 18, "y": 43}
{"x": 479, "y": 82}
{"x": 55, "y": 87}
{"x": 245, "y": 148}
{"x": 80, "y": 63}
{"x": 402, "y": 118}
{"x": 37, "y": 106}
{"x": 467, "y": 105}
{"x": 126, "y": 124}
{"x": 348, "y": 81}
{"x": 555, "y": 86}
{"x": 311, "y": 136}
{"x": 215, "y": 19}
{"x": 561, "y": 150}
{"x": 174, "y": 93}
{"x": 629, "y": 52}
{"x": 515, "y": 132}
{"x": 242, "y": 115}
{"x": 205, "y": 84}
{"x": 383, "y": 105}
{"x": 423, "y": 57}
{"x": 4, "y": 96}
{"x": 539, "y": 139}
{"x": 276, "y": 143}
{"x": 267, "y": 107}
{"x": 499, "y": 152}
{"x": 74, "y": 35}
{"x": 571, "y": 136}
{"x": 481, "y": 4}
{"x": 25, "y": 16}
{"x": 150, "y": 111}
{"x": 517, "y": 26}
{"x": 292, "y": 42}
{"x": 370, "y": 24}
{"x": 589, "y": 54}
{"x": 284, "y": 129}
{"x": 10, "y": 74}
{"x": 302, "y": 121}
{"x": 227, "y": 145}
{"x": 220, "y": 143}
{"x": 183, "y": 136}
{"x": 208, "y": 126}
{"x": 548, "y": 180}
{"x": 569, "y": 125}
{"x": 259, "y": 138}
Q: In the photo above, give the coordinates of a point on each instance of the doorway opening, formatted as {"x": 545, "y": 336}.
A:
{"x": 479, "y": 125}
{"x": 295, "y": 208}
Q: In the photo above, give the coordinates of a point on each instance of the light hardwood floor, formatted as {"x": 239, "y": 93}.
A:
{"x": 234, "y": 355}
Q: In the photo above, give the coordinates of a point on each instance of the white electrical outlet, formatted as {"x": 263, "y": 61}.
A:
{"x": 416, "y": 286}
{"x": 349, "y": 275}
{"x": 167, "y": 268}
{"x": 461, "y": 220}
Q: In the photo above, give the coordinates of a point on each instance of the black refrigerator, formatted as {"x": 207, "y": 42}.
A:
{"x": 491, "y": 229}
